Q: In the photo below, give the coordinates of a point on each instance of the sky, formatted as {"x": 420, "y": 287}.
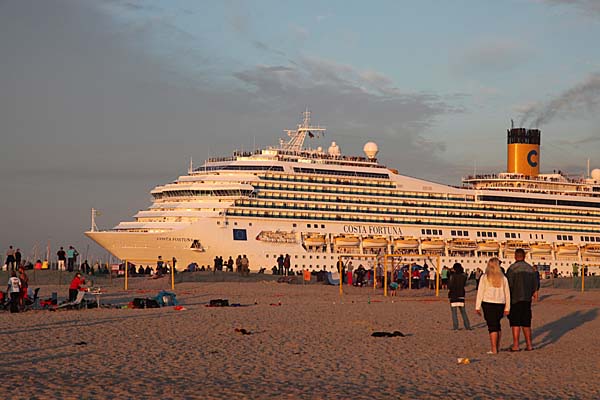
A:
{"x": 102, "y": 100}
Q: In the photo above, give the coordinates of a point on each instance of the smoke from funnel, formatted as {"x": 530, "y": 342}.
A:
{"x": 584, "y": 97}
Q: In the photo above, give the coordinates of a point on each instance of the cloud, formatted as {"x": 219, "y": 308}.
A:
{"x": 266, "y": 48}
{"x": 492, "y": 55}
{"x": 585, "y": 6}
{"x": 360, "y": 105}
{"x": 581, "y": 99}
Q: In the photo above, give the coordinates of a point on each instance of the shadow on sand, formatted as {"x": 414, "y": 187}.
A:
{"x": 553, "y": 331}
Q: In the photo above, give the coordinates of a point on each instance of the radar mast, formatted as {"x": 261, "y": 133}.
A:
{"x": 298, "y": 135}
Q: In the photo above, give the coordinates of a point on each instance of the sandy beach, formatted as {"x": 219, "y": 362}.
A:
{"x": 306, "y": 343}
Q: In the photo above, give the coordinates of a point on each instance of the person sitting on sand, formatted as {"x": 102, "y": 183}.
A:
{"x": 493, "y": 297}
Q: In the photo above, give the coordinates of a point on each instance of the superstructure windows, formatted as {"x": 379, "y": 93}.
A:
{"x": 196, "y": 192}
{"x": 361, "y": 174}
{"x": 277, "y": 168}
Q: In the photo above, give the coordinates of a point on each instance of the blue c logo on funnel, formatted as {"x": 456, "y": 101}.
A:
{"x": 530, "y": 156}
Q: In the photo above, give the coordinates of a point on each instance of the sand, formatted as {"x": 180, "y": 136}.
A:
{"x": 312, "y": 346}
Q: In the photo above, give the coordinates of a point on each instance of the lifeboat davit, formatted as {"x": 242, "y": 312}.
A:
{"x": 374, "y": 242}
{"x": 488, "y": 246}
{"x": 406, "y": 243}
{"x": 541, "y": 248}
{"x": 432, "y": 244}
{"x": 462, "y": 245}
{"x": 591, "y": 250}
{"x": 347, "y": 241}
{"x": 567, "y": 249}
{"x": 314, "y": 240}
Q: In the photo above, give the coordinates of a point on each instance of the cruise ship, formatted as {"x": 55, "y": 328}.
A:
{"x": 316, "y": 205}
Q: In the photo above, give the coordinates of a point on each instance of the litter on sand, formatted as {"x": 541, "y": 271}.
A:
{"x": 388, "y": 334}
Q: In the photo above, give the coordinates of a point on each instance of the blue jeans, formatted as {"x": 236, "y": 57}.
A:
{"x": 465, "y": 318}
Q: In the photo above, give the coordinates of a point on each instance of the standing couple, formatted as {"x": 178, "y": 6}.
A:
{"x": 509, "y": 295}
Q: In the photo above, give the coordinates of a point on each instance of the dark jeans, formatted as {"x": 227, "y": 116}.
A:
{"x": 465, "y": 318}
{"x": 72, "y": 295}
{"x": 10, "y": 263}
{"x": 14, "y": 302}
{"x": 70, "y": 264}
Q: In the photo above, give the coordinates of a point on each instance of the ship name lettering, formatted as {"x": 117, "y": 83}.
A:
{"x": 372, "y": 230}
{"x": 174, "y": 239}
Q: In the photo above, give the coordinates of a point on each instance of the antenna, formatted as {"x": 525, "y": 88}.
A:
{"x": 191, "y": 168}
{"x": 95, "y": 213}
{"x": 512, "y": 124}
{"x": 588, "y": 167}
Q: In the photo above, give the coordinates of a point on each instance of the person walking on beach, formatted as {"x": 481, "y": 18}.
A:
{"x": 444, "y": 277}
{"x": 478, "y": 274}
{"x": 10, "y": 259}
{"x": 245, "y": 265}
{"x": 238, "y": 264}
{"x": 523, "y": 289}
{"x": 70, "y": 259}
{"x": 493, "y": 297}
{"x": 62, "y": 257}
{"x": 280, "y": 261}
{"x": 14, "y": 288}
{"x": 287, "y": 264}
{"x": 230, "y": 264}
{"x": 24, "y": 286}
{"x": 432, "y": 278}
{"x": 456, "y": 294}
{"x": 18, "y": 257}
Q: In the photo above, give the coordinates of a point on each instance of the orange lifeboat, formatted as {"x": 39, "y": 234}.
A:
{"x": 432, "y": 244}
{"x": 374, "y": 242}
{"x": 591, "y": 250}
{"x": 406, "y": 243}
{"x": 567, "y": 249}
{"x": 541, "y": 248}
{"x": 488, "y": 246}
{"x": 314, "y": 240}
{"x": 347, "y": 241}
{"x": 462, "y": 245}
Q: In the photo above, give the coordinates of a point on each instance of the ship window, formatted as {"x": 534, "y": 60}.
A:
{"x": 293, "y": 225}
{"x": 322, "y": 226}
{"x": 453, "y": 233}
{"x": 235, "y": 223}
{"x": 506, "y": 234}
{"x": 428, "y": 231}
{"x": 497, "y": 235}
{"x": 266, "y": 256}
{"x": 308, "y": 225}
{"x": 303, "y": 256}
{"x": 465, "y": 233}
{"x": 422, "y": 231}
{"x": 250, "y": 224}
{"x": 310, "y": 257}
{"x": 559, "y": 237}
{"x": 570, "y": 237}
{"x": 239, "y": 234}
{"x": 459, "y": 233}
{"x": 218, "y": 222}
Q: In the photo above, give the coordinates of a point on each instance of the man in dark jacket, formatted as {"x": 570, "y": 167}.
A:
{"x": 456, "y": 294}
{"x": 523, "y": 289}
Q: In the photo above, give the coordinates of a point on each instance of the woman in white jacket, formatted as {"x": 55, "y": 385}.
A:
{"x": 493, "y": 296}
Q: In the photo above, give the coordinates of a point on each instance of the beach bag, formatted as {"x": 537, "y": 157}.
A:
{"x": 219, "y": 303}
{"x": 139, "y": 303}
{"x": 166, "y": 299}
